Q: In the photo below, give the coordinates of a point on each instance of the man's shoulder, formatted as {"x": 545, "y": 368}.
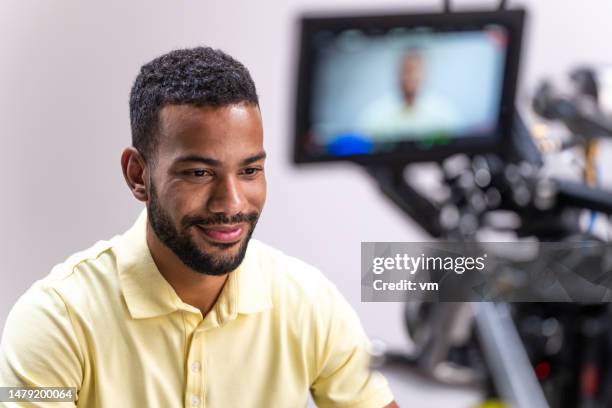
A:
{"x": 291, "y": 278}
{"x": 287, "y": 267}
{"x": 83, "y": 267}
{"x": 80, "y": 260}
{"x": 74, "y": 278}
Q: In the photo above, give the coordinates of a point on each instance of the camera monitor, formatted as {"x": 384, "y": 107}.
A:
{"x": 403, "y": 88}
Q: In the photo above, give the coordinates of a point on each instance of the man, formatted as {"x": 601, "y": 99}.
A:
{"x": 410, "y": 111}
{"x": 185, "y": 309}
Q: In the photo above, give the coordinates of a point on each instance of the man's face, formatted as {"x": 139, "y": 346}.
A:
{"x": 208, "y": 187}
{"x": 411, "y": 74}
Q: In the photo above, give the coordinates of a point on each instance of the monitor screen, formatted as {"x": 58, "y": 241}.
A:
{"x": 398, "y": 89}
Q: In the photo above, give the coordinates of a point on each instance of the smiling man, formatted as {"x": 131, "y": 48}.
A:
{"x": 185, "y": 309}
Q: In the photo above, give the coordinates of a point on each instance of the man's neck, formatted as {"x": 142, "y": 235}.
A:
{"x": 194, "y": 288}
{"x": 409, "y": 99}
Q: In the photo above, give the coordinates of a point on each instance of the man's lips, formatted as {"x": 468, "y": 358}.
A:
{"x": 223, "y": 233}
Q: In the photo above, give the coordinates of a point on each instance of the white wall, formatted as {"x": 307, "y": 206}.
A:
{"x": 66, "y": 68}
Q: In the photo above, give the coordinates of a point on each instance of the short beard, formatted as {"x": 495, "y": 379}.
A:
{"x": 180, "y": 243}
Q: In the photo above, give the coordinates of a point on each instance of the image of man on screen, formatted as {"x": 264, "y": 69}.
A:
{"x": 411, "y": 110}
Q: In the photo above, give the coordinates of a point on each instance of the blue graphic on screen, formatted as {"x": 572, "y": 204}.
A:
{"x": 371, "y": 92}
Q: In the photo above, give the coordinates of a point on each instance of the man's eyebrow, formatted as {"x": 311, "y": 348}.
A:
{"x": 199, "y": 159}
{"x": 253, "y": 159}
{"x": 214, "y": 162}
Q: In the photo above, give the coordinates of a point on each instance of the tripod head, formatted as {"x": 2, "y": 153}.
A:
{"x": 479, "y": 186}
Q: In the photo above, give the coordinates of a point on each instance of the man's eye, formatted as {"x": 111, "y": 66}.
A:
{"x": 198, "y": 173}
{"x": 251, "y": 171}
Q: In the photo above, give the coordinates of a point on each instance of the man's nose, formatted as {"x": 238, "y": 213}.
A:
{"x": 226, "y": 197}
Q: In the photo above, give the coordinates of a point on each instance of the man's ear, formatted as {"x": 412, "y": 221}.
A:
{"x": 135, "y": 172}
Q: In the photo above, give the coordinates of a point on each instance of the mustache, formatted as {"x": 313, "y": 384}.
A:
{"x": 220, "y": 219}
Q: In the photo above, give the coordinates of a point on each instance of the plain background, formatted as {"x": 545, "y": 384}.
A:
{"x": 66, "y": 68}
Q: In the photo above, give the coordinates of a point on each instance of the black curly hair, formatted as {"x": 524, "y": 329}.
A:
{"x": 199, "y": 76}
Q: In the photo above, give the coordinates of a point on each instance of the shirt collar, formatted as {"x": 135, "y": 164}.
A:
{"x": 148, "y": 294}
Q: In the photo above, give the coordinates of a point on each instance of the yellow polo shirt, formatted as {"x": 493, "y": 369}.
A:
{"x": 106, "y": 322}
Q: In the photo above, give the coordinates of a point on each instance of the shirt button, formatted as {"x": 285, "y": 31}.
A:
{"x": 195, "y": 400}
{"x": 195, "y": 366}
